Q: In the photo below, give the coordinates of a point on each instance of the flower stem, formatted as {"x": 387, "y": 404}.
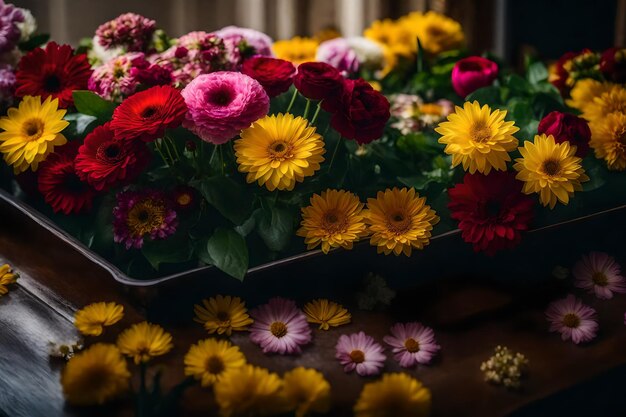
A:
{"x": 317, "y": 112}
{"x": 212, "y": 154}
{"x": 173, "y": 145}
{"x": 332, "y": 159}
{"x": 293, "y": 100}
{"x": 306, "y": 108}
{"x": 163, "y": 142}
{"x": 221, "y": 158}
{"x": 158, "y": 149}
{"x": 142, "y": 390}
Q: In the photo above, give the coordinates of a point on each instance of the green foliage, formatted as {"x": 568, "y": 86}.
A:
{"x": 91, "y": 104}
{"x": 227, "y": 250}
{"x": 231, "y": 199}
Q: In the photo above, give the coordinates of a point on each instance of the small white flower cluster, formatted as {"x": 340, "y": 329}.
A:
{"x": 28, "y": 26}
{"x": 505, "y": 367}
{"x": 65, "y": 350}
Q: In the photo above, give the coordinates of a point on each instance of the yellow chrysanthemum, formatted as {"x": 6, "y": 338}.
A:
{"x": 399, "y": 220}
{"x": 612, "y": 101}
{"x": 31, "y": 132}
{"x": 585, "y": 91}
{"x": 209, "y": 359}
{"x": 333, "y": 219}
{"x": 223, "y": 314}
{"x": 550, "y": 169}
{"x": 249, "y": 391}
{"x": 7, "y": 277}
{"x": 278, "y": 150}
{"x": 297, "y": 50}
{"x": 91, "y": 319}
{"x": 306, "y": 391}
{"x": 326, "y": 313}
{"x": 394, "y": 395}
{"x": 478, "y": 138}
{"x": 608, "y": 140}
{"x": 436, "y": 32}
{"x": 143, "y": 341}
{"x": 95, "y": 375}
{"x": 397, "y": 37}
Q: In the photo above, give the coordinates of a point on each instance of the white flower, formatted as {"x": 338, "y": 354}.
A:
{"x": 101, "y": 55}
{"x": 369, "y": 53}
{"x": 28, "y": 26}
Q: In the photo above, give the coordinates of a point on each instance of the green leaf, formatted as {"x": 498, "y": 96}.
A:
{"x": 537, "y": 72}
{"x": 229, "y": 252}
{"x": 596, "y": 172}
{"x": 275, "y": 225}
{"x": 90, "y": 103}
{"x": 520, "y": 111}
{"x": 419, "y": 182}
{"x": 80, "y": 125}
{"x": 34, "y": 42}
{"x": 175, "y": 249}
{"x": 518, "y": 84}
{"x": 231, "y": 199}
{"x": 486, "y": 95}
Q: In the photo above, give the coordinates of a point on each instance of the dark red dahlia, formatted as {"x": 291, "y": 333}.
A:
{"x": 54, "y": 71}
{"x": 104, "y": 161}
{"x": 275, "y": 75}
{"x": 60, "y": 185}
{"x": 146, "y": 115}
{"x": 491, "y": 210}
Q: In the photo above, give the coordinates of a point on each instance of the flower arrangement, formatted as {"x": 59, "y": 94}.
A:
{"x": 226, "y": 148}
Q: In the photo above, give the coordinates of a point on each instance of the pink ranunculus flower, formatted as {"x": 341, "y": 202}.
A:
{"x": 338, "y": 53}
{"x": 261, "y": 43}
{"x": 471, "y": 73}
{"x": 223, "y": 103}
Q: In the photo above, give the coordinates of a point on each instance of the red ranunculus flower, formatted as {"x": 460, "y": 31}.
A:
{"x": 104, "y": 161}
{"x": 471, "y": 73}
{"x": 613, "y": 65}
{"x": 60, "y": 185}
{"x": 318, "y": 80}
{"x": 491, "y": 210}
{"x": 146, "y": 115}
{"x": 275, "y": 75}
{"x": 567, "y": 127}
{"x": 54, "y": 71}
{"x": 360, "y": 112}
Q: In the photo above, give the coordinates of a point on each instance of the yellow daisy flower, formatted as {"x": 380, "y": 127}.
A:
{"x": 278, "y": 150}
{"x": 398, "y": 38}
{"x": 207, "y": 360}
{"x": 7, "y": 277}
{"x": 95, "y": 376}
{"x": 608, "y": 140}
{"x": 399, "y": 220}
{"x": 91, "y": 319}
{"x": 31, "y": 132}
{"x": 612, "y": 101}
{"x": 143, "y": 341}
{"x": 585, "y": 91}
{"x": 306, "y": 391}
{"x": 249, "y": 391}
{"x": 223, "y": 314}
{"x": 394, "y": 395}
{"x": 297, "y": 50}
{"x": 326, "y": 313}
{"x": 550, "y": 169}
{"x": 436, "y": 32}
{"x": 333, "y": 220}
{"x": 478, "y": 138}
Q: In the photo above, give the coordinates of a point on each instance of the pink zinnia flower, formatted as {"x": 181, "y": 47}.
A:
{"x": 572, "y": 319}
{"x": 129, "y": 30}
{"x": 412, "y": 343}
{"x": 361, "y": 352}
{"x": 280, "y": 327}
{"x": 599, "y": 274}
{"x": 223, "y": 103}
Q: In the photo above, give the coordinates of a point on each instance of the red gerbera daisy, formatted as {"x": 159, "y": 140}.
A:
{"x": 60, "y": 185}
{"x": 491, "y": 210}
{"x": 146, "y": 115}
{"x": 54, "y": 71}
{"x": 104, "y": 161}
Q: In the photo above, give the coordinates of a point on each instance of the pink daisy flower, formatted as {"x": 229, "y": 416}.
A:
{"x": 223, "y": 103}
{"x": 280, "y": 327}
{"x": 572, "y": 319}
{"x": 599, "y": 274}
{"x": 361, "y": 352}
{"x": 412, "y": 343}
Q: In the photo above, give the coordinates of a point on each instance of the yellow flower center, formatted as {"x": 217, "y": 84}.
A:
{"x": 223, "y": 316}
{"x": 95, "y": 379}
{"x": 571, "y": 320}
{"x": 214, "y": 365}
{"x": 357, "y": 356}
{"x": 398, "y": 223}
{"x": 551, "y": 167}
{"x": 145, "y": 216}
{"x": 280, "y": 150}
{"x": 33, "y": 128}
{"x": 412, "y": 345}
{"x": 278, "y": 329}
{"x": 435, "y": 31}
{"x": 600, "y": 279}
{"x": 480, "y": 132}
{"x": 333, "y": 221}
{"x": 183, "y": 199}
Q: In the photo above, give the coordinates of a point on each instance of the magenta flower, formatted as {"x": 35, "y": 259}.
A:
{"x": 471, "y": 73}
{"x": 221, "y": 104}
{"x": 361, "y": 352}
{"x": 412, "y": 343}
{"x": 572, "y": 319}
{"x": 114, "y": 80}
{"x": 338, "y": 53}
{"x": 280, "y": 327}
{"x": 129, "y": 30}
{"x": 10, "y": 32}
{"x": 599, "y": 274}
{"x": 140, "y": 214}
{"x": 261, "y": 43}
